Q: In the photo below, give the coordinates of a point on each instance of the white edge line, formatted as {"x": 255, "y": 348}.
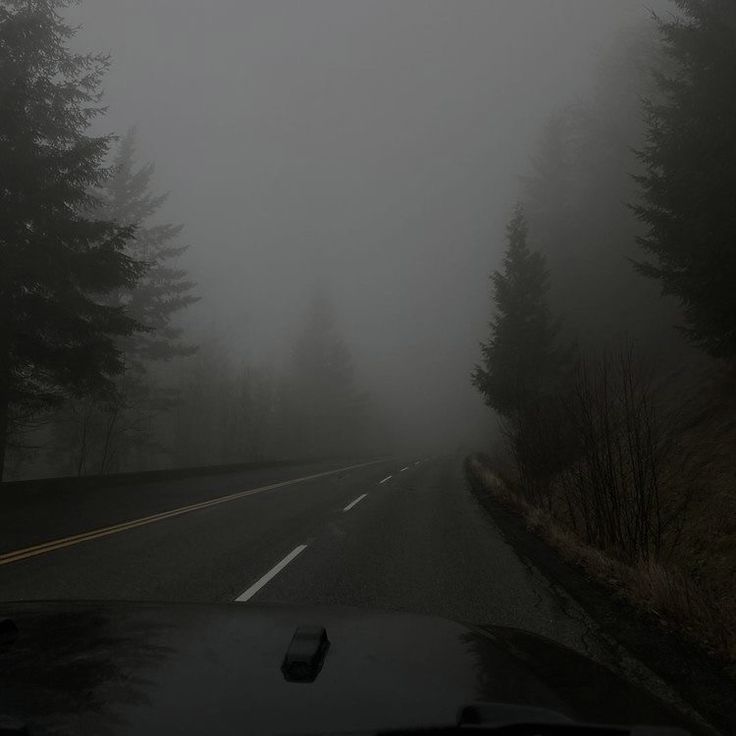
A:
{"x": 355, "y": 503}
{"x": 403, "y": 469}
{"x": 388, "y": 477}
{"x": 270, "y": 575}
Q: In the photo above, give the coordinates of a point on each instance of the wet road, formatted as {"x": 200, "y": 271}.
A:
{"x": 389, "y": 535}
{"x": 392, "y": 535}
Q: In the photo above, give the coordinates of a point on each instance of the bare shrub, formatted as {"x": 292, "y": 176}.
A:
{"x": 659, "y": 587}
{"x": 541, "y": 448}
{"x": 612, "y": 487}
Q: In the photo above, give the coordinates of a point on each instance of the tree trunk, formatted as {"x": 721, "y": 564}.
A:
{"x": 108, "y": 440}
{"x": 4, "y": 412}
{"x": 3, "y": 429}
{"x": 82, "y": 457}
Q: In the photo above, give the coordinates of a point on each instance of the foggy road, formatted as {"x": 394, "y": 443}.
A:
{"x": 392, "y": 535}
{"x": 387, "y": 535}
{"x": 343, "y": 231}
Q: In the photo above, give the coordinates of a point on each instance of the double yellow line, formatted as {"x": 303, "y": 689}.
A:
{"x": 42, "y": 549}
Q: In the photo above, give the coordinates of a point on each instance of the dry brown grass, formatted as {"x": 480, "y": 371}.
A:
{"x": 664, "y": 589}
{"x": 671, "y": 595}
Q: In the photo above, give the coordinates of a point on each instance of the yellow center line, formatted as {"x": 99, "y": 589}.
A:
{"x": 45, "y": 547}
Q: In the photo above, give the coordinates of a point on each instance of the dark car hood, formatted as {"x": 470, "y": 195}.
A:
{"x": 98, "y": 668}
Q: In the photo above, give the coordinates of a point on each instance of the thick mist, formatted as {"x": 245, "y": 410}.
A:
{"x": 373, "y": 149}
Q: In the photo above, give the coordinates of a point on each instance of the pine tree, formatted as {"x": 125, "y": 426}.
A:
{"x": 520, "y": 360}
{"x": 101, "y": 434}
{"x": 57, "y": 333}
{"x": 575, "y": 206}
{"x": 325, "y": 409}
{"x": 689, "y": 184}
{"x": 164, "y": 289}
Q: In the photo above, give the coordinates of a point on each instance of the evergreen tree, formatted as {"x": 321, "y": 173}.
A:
{"x": 164, "y": 289}
{"x": 520, "y": 360}
{"x": 325, "y": 410}
{"x": 58, "y": 334}
{"x": 101, "y": 435}
{"x": 575, "y": 201}
{"x": 689, "y": 184}
{"x": 201, "y": 422}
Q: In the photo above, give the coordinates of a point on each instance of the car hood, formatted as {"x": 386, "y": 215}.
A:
{"x": 97, "y": 668}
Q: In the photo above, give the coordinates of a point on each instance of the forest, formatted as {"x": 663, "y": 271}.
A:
{"x": 606, "y": 345}
{"x": 611, "y": 349}
{"x": 97, "y": 374}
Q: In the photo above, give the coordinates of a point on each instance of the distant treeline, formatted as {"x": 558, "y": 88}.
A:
{"x": 96, "y": 374}
{"x": 612, "y": 347}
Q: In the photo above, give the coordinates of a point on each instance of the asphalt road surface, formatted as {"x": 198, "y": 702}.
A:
{"x": 371, "y": 536}
{"x": 386, "y": 535}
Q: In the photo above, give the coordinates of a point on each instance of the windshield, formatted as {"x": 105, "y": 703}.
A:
{"x": 418, "y": 306}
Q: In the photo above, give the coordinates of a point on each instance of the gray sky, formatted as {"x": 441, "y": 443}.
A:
{"x": 374, "y": 145}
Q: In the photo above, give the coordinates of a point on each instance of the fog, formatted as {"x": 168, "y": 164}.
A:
{"x": 374, "y": 148}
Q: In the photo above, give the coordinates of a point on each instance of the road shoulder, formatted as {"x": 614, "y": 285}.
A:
{"x": 696, "y": 678}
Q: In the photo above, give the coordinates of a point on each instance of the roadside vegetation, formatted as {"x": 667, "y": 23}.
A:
{"x": 610, "y": 358}
{"x": 97, "y": 373}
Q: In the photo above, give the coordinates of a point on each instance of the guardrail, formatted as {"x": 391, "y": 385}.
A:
{"x": 151, "y": 476}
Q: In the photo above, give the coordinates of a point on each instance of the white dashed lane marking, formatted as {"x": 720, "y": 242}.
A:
{"x": 355, "y": 503}
{"x": 271, "y": 574}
